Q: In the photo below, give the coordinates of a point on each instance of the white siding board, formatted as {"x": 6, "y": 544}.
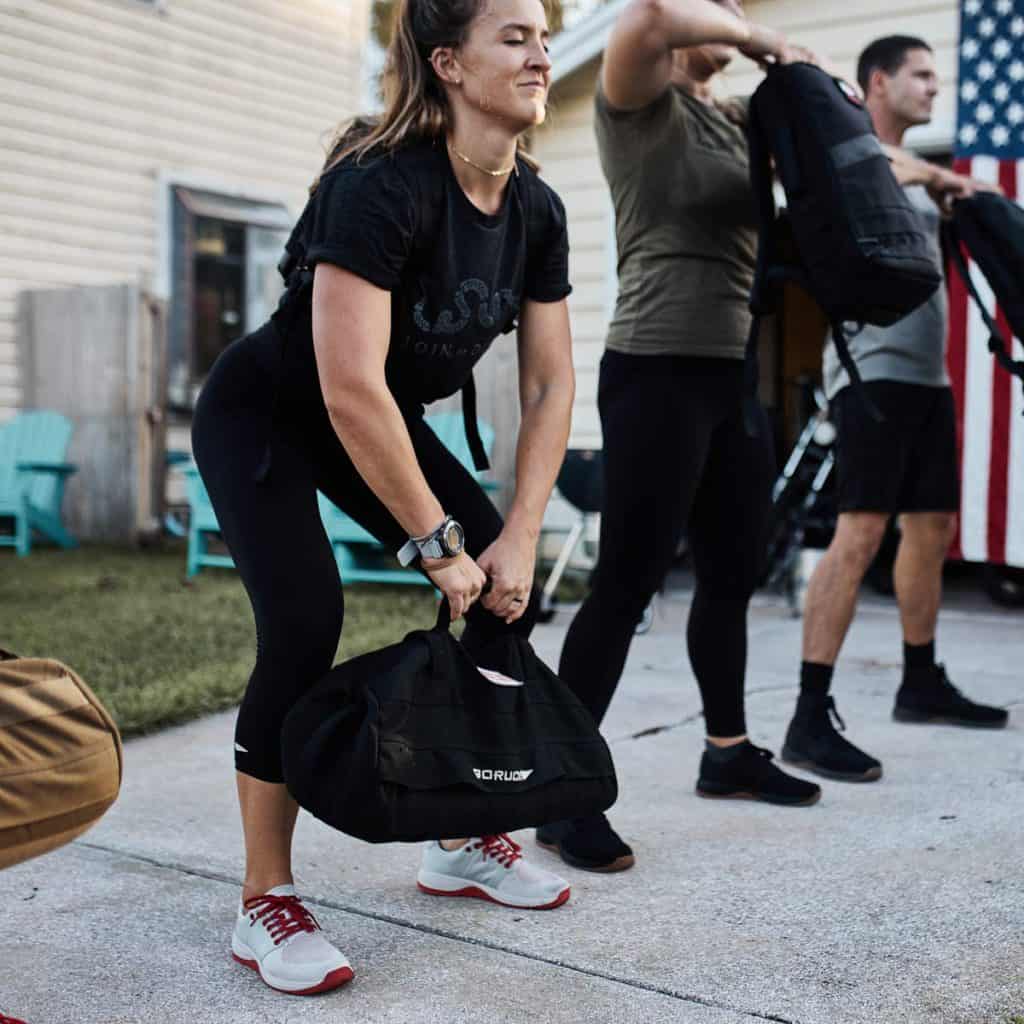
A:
{"x": 208, "y": 42}
{"x": 878, "y": 15}
{"x": 97, "y": 78}
{"x": 20, "y": 189}
{"x": 46, "y": 210}
{"x": 33, "y": 272}
{"x": 55, "y": 168}
{"x": 129, "y": 69}
{"x": 168, "y": 128}
{"x": 62, "y": 235}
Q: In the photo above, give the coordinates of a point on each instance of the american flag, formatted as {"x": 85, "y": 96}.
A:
{"x": 989, "y": 145}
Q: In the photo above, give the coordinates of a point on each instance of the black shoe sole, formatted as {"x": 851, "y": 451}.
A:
{"x": 925, "y": 718}
{"x": 739, "y": 794}
{"x": 799, "y": 761}
{"x": 619, "y": 864}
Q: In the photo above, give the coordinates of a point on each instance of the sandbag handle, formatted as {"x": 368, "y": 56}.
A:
{"x": 439, "y": 640}
{"x": 444, "y": 610}
{"x": 444, "y": 617}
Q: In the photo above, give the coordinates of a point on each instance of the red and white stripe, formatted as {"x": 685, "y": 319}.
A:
{"x": 990, "y": 424}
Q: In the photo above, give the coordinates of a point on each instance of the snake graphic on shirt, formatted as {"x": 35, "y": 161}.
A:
{"x": 492, "y": 310}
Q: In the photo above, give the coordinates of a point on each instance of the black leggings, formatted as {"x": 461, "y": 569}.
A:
{"x": 274, "y": 532}
{"x": 676, "y": 457}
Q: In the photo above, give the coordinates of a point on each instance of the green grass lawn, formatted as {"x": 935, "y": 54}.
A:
{"x": 157, "y": 648}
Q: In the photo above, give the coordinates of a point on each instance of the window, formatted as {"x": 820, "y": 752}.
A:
{"x": 225, "y": 281}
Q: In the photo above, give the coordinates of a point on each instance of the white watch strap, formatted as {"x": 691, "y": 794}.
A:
{"x": 408, "y": 552}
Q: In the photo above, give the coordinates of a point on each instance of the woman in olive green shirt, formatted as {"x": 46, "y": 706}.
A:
{"x": 676, "y": 453}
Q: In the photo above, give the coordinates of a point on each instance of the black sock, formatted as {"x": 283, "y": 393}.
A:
{"x": 815, "y": 678}
{"x": 724, "y": 754}
{"x": 917, "y": 657}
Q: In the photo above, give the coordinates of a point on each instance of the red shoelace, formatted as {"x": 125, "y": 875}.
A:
{"x": 502, "y": 848}
{"x": 285, "y": 916}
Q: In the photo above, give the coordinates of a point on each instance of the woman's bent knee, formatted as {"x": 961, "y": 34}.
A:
{"x": 304, "y": 640}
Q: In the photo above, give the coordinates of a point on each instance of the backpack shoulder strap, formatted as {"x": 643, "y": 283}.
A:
{"x": 996, "y": 342}
{"x": 764, "y": 199}
{"x": 469, "y": 418}
{"x": 848, "y": 363}
{"x": 760, "y": 303}
{"x": 472, "y": 427}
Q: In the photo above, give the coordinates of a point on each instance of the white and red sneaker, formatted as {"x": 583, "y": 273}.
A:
{"x": 280, "y": 939}
{"x": 4, "y": 1019}
{"x": 490, "y": 868}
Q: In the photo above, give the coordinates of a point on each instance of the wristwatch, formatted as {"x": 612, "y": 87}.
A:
{"x": 446, "y": 541}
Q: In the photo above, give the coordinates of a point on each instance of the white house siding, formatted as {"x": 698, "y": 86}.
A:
{"x": 837, "y": 31}
{"x": 104, "y": 102}
{"x": 567, "y": 151}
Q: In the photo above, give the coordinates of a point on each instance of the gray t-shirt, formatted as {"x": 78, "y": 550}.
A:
{"x": 913, "y": 350}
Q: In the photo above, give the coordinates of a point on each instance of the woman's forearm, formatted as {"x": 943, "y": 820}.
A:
{"x": 372, "y": 430}
{"x": 543, "y": 435}
{"x": 679, "y": 23}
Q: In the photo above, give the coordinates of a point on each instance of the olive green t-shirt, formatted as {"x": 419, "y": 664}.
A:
{"x": 685, "y": 225}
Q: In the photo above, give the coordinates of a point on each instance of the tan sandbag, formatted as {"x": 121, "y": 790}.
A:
{"x": 60, "y": 757}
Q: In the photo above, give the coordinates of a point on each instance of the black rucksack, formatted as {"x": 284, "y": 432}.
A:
{"x": 857, "y": 245}
{"x": 991, "y": 229}
{"x": 415, "y": 741}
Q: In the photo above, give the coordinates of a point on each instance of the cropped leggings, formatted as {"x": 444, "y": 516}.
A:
{"x": 677, "y": 458}
{"x": 273, "y": 530}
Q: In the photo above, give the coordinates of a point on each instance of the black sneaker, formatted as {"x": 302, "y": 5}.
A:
{"x": 929, "y": 696}
{"x": 750, "y": 775}
{"x": 588, "y": 843}
{"x": 812, "y": 743}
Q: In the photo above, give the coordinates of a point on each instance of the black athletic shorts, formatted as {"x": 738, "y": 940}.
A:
{"x": 907, "y": 463}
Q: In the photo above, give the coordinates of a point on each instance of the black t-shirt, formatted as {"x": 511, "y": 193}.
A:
{"x": 457, "y": 276}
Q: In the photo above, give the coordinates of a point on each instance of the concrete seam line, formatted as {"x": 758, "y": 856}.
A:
{"x": 442, "y": 933}
{"x": 655, "y": 730}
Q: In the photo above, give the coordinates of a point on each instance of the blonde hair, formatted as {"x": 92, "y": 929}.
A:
{"x": 415, "y": 105}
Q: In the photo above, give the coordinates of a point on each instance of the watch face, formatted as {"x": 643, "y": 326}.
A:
{"x": 453, "y": 538}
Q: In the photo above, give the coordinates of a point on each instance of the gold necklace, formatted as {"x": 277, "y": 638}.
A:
{"x": 486, "y": 170}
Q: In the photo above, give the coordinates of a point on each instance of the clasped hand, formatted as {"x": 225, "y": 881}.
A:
{"x": 501, "y": 578}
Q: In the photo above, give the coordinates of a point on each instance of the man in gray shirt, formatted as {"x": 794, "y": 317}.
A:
{"x": 906, "y": 465}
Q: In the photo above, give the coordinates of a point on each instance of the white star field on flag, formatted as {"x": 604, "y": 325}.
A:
{"x": 991, "y": 94}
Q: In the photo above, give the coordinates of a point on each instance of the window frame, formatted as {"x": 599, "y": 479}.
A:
{"x": 212, "y": 190}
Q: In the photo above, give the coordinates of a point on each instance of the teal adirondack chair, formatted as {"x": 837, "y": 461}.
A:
{"x": 32, "y": 477}
{"x": 202, "y": 525}
{"x": 360, "y": 556}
